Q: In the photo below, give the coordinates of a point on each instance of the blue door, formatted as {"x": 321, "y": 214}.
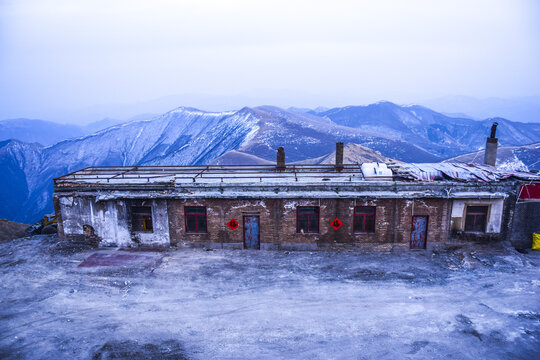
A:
{"x": 419, "y": 232}
{"x": 251, "y": 232}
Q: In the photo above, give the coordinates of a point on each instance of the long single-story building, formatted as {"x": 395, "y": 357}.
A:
{"x": 288, "y": 206}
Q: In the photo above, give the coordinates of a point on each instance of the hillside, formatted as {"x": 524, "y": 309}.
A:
{"x": 235, "y": 157}
{"x": 47, "y": 132}
{"x": 38, "y": 131}
{"x": 522, "y": 158}
{"x": 11, "y": 230}
{"x": 181, "y": 137}
{"x": 352, "y": 154}
{"x": 440, "y": 134}
{"x": 187, "y": 136}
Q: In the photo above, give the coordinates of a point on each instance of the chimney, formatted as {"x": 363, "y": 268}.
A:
{"x": 280, "y": 159}
{"x": 490, "y": 154}
{"x": 339, "y": 156}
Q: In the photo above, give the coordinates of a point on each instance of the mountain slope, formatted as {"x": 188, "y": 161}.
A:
{"x": 522, "y": 158}
{"x": 235, "y": 157}
{"x": 352, "y": 154}
{"x": 307, "y": 136}
{"x": 180, "y": 137}
{"x": 17, "y": 163}
{"x": 48, "y": 132}
{"x": 37, "y": 131}
{"x": 433, "y": 131}
{"x": 189, "y": 136}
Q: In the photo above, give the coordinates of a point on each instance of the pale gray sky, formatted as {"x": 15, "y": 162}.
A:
{"x": 60, "y": 58}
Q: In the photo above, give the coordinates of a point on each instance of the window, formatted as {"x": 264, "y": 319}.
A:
{"x": 476, "y": 218}
{"x": 307, "y": 219}
{"x": 195, "y": 219}
{"x": 364, "y": 219}
{"x": 141, "y": 218}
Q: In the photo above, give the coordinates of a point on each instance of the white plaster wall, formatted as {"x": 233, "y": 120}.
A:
{"x": 495, "y": 213}
{"x": 160, "y": 220}
{"x": 108, "y": 218}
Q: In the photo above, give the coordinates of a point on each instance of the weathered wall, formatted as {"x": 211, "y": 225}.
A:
{"x": 526, "y": 220}
{"x": 497, "y": 212}
{"x": 278, "y": 222}
{"x": 110, "y": 221}
{"x": 435, "y": 209}
{"x": 160, "y": 220}
{"x": 219, "y": 212}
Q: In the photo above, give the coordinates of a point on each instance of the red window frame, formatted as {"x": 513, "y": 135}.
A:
{"x": 308, "y": 216}
{"x": 360, "y": 215}
{"x": 141, "y": 219}
{"x": 197, "y": 230}
{"x": 475, "y": 215}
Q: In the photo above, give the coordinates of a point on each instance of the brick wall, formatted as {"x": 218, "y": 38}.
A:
{"x": 278, "y": 221}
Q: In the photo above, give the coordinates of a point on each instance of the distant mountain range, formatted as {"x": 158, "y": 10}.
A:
{"x": 440, "y": 134}
{"x": 523, "y": 109}
{"x": 48, "y": 133}
{"x": 187, "y": 136}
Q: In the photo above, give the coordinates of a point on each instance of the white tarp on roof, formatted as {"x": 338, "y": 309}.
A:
{"x": 458, "y": 171}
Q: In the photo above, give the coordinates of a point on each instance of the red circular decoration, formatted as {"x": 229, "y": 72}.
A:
{"x": 232, "y": 224}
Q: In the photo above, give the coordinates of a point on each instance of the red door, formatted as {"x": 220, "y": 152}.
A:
{"x": 419, "y": 232}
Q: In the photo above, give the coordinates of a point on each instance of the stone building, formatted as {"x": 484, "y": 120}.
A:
{"x": 288, "y": 206}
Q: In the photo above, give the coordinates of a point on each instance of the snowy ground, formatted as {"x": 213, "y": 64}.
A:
{"x": 196, "y": 304}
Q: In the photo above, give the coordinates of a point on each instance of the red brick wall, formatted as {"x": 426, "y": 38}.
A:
{"x": 278, "y": 220}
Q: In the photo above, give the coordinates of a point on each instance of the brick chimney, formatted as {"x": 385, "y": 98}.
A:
{"x": 490, "y": 154}
{"x": 280, "y": 159}
{"x": 339, "y": 156}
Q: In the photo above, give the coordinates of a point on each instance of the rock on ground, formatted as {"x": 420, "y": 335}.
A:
{"x": 11, "y": 230}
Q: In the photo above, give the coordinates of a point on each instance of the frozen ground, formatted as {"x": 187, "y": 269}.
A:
{"x": 196, "y": 304}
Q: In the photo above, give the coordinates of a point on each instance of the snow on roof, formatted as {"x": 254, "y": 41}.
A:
{"x": 237, "y": 175}
{"x": 458, "y": 171}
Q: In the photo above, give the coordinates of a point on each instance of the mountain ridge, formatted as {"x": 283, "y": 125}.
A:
{"x": 189, "y": 136}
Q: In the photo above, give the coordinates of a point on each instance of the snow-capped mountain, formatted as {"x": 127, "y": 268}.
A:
{"x": 49, "y": 133}
{"x": 18, "y": 164}
{"x": 511, "y": 158}
{"x": 440, "y": 134}
{"x": 187, "y": 136}
{"x": 37, "y": 131}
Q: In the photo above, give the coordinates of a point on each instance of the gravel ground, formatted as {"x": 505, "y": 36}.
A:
{"x": 64, "y": 302}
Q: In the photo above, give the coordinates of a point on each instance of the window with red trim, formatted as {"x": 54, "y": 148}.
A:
{"x": 476, "y": 218}
{"x": 307, "y": 219}
{"x": 141, "y": 218}
{"x": 195, "y": 217}
{"x": 364, "y": 219}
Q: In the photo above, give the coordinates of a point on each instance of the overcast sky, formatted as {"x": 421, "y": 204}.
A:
{"x": 64, "y": 56}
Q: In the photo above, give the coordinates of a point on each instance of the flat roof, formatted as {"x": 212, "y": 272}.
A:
{"x": 212, "y": 174}
{"x": 224, "y": 175}
{"x": 438, "y": 180}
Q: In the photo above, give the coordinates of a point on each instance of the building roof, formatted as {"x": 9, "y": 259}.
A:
{"x": 296, "y": 181}
{"x": 238, "y": 174}
{"x": 211, "y": 174}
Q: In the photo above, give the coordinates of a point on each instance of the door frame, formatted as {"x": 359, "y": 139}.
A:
{"x": 412, "y": 228}
{"x": 244, "y": 231}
